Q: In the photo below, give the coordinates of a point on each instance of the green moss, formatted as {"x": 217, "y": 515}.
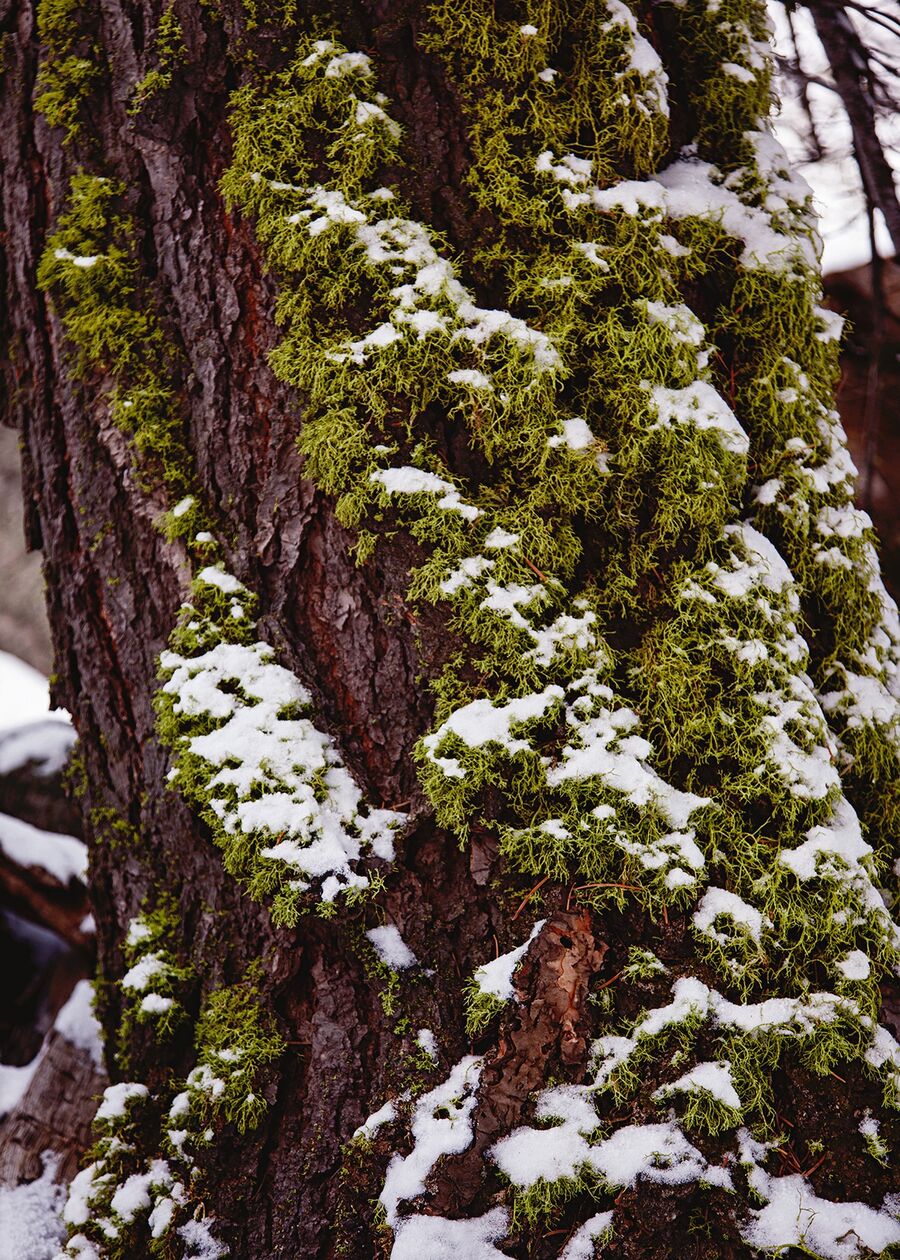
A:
{"x": 74, "y": 778}
{"x": 90, "y": 267}
{"x": 237, "y": 1040}
{"x": 69, "y": 72}
{"x": 707, "y": 689}
{"x": 537, "y": 1205}
{"x": 111, "y": 830}
{"x": 481, "y": 1008}
{"x": 592, "y": 103}
{"x": 157, "y": 998}
{"x": 169, "y": 51}
{"x": 671, "y": 657}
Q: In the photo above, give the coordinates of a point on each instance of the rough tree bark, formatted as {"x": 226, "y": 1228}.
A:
{"x": 142, "y": 98}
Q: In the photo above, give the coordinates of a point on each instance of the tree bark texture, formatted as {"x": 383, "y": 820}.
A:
{"x": 287, "y": 1187}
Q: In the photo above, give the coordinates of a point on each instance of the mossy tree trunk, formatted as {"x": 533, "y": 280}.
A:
{"x": 482, "y": 488}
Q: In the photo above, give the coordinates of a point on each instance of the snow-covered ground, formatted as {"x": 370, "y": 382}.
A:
{"x": 834, "y": 178}
{"x": 24, "y": 694}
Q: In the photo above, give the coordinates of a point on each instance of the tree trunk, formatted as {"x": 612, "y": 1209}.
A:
{"x": 168, "y": 177}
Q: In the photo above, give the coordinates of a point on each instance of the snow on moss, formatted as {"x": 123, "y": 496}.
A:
{"x": 155, "y": 982}
{"x": 718, "y": 902}
{"x": 482, "y": 722}
{"x": 418, "y": 481}
{"x": 441, "y": 1125}
{"x": 648, "y": 768}
{"x": 793, "y": 1215}
{"x": 125, "y": 1199}
{"x": 711, "y": 1078}
{"x": 370, "y": 1126}
{"x": 657, "y": 1153}
{"x": 431, "y": 300}
{"x": 391, "y": 948}
{"x": 702, "y": 406}
{"x": 495, "y": 978}
{"x": 274, "y": 787}
{"x": 443, "y": 1239}
{"x": 581, "y": 1245}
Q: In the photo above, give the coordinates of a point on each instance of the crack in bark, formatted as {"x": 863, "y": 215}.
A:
{"x": 547, "y": 1033}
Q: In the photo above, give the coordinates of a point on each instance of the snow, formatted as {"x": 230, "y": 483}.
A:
{"x": 571, "y": 170}
{"x": 26, "y": 694}
{"x": 31, "y": 1225}
{"x": 391, "y": 948}
{"x": 499, "y": 537}
{"x": 738, "y": 72}
{"x": 144, "y": 970}
{"x": 77, "y": 1209}
{"x": 576, "y": 435}
{"x": 471, "y": 377}
{"x": 426, "y": 1040}
{"x": 640, "y": 1152}
{"x": 215, "y": 575}
{"x": 434, "y": 1135}
{"x": 348, "y": 63}
{"x": 482, "y": 722}
{"x": 496, "y": 978}
{"x": 116, "y": 1099}
{"x": 384, "y": 1115}
{"x": 409, "y": 480}
{"x": 470, "y": 568}
{"x": 702, "y": 407}
{"x": 156, "y": 1004}
{"x": 884, "y": 1051}
{"x": 407, "y": 248}
{"x": 718, "y": 901}
{"x": 657, "y": 1153}
{"x": 78, "y": 1024}
{"x": 608, "y": 750}
{"x": 45, "y": 744}
{"x": 435, "y": 1238}
{"x": 795, "y": 1216}
{"x": 688, "y": 189}
{"x": 14, "y": 1081}
{"x": 132, "y": 1196}
{"x": 311, "y": 806}
{"x": 63, "y": 857}
{"x": 581, "y": 1245}
{"x": 854, "y": 966}
{"x": 761, "y": 566}
{"x": 183, "y": 505}
{"x": 160, "y": 1218}
{"x": 710, "y": 1078}
{"x": 689, "y": 997}
{"x": 138, "y": 931}
{"x": 199, "y": 1241}
{"x": 83, "y": 261}
{"x": 683, "y": 325}
{"x": 840, "y": 838}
